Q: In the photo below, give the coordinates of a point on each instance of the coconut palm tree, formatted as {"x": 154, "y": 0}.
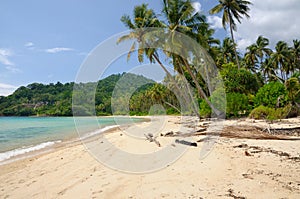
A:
{"x": 261, "y": 48}
{"x": 181, "y": 17}
{"x": 280, "y": 59}
{"x": 232, "y": 10}
{"x": 256, "y": 53}
{"x": 250, "y": 58}
{"x": 143, "y": 18}
{"x": 295, "y": 54}
{"x": 268, "y": 70}
{"x": 226, "y": 52}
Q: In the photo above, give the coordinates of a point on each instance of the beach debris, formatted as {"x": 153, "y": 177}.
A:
{"x": 243, "y": 145}
{"x": 151, "y": 138}
{"x": 250, "y": 150}
{"x": 247, "y": 153}
{"x": 203, "y": 139}
{"x": 245, "y": 175}
{"x": 231, "y": 194}
{"x": 184, "y": 142}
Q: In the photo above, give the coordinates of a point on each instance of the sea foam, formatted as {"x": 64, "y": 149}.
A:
{"x": 20, "y": 151}
{"x": 102, "y": 130}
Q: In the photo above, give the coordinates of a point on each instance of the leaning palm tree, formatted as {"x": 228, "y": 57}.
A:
{"x": 232, "y": 10}
{"x": 181, "y": 17}
{"x": 144, "y": 18}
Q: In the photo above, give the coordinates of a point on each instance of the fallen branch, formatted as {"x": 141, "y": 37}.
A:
{"x": 184, "y": 142}
{"x": 151, "y": 138}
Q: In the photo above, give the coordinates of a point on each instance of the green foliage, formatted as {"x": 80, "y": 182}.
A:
{"x": 143, "y": 101}
{"x": 205, "y": 110}
{"x": 56, "y": 99}
{"x": 271, "y": 95}
{"x": 263, "y": 112}
{"x": 239, "y": 81}
{"x": 237, "y": 104}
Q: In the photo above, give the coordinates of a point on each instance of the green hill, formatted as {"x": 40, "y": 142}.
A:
{"x": 56, "y": 99}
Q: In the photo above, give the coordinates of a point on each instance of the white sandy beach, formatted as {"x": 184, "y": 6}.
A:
{"x": 234, "y": 168}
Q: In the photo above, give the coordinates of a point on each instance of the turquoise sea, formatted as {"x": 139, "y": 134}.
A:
{"x": 20, "y": 135}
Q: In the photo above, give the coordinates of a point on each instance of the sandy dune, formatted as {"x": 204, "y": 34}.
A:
{"x": 234, "y": 168}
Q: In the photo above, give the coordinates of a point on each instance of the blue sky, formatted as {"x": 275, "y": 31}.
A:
{"x": 46, "y": 41}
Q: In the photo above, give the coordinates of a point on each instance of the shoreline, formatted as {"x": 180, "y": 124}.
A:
{"x": 50, "y": 145}
{"x": 71, "y": 171}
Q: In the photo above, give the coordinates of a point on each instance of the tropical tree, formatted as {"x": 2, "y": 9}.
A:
{"x": 232, "y": 10}
{"x": 250, "y": 58}
{"x": 295, "y": 54}
{"x": 256, "y": 53}
{"x": 143, "y": 18}
{"x": 181, "y": 17}
{"x": 226, "y": 52}
{"x": 261, "y": 48}
{"x": 280, "y": 59}
{"x": 269, "y": 71}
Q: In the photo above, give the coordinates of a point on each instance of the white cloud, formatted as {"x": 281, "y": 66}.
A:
{"x": 56, "y": 50}
{"x": 4, "y": 54}
{"x": 29, "y": 45}
{"x": 6, "y": 89}
{"x": 197, "y": 6}
{"x": 13, "y": 69}
{"x": 215, "y": 22}
{"x": 275, "y": 20}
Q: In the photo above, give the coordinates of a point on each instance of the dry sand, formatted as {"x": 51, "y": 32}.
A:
{"x": 234, "y": 168}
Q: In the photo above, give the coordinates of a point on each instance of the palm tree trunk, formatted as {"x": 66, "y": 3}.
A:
{"x": 232, "y": 37}
{"x": 200, "y": 90}
{"x": 178, "y": 89}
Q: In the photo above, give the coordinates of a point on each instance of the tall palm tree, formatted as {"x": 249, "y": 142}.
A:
{"x": 181, "y": 17}
{"x": 280, "y": 59}
{"x": 269, "y": 70}
{"x": 226, "y": 52}
{"x": 250, "y": 58}
{"x": 204, "y": 36}
{"x": 256, "y": 53}
{"x": 143, "y": 18}
{"x": 232, "y": 10}
{"x": 261, "y": 48}
{"x": 295, "y": 54}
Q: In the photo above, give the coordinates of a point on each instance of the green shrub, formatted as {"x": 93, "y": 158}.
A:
{"x": 239, "y": 80}
{"x": 205, "y": 110}
{"x": 237, "y": 104}
{"x": 263, "y": 112}
{"x": 269, "y": 94}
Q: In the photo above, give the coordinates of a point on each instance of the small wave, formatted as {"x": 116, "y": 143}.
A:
{"x": 20, "y": 151}
{"x": 98, "y": 131}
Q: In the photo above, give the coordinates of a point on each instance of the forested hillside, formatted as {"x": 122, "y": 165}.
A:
{"x": 56, "y": 99}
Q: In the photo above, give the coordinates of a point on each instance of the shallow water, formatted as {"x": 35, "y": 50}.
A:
{"x": 19, "y": 135}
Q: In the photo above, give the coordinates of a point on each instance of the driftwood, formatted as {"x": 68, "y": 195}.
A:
{"x": 184, "y": 142}
{"x": 244, "y": 132}
{"x": 181, "y": 134}
{"x": 151, "y": 138}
